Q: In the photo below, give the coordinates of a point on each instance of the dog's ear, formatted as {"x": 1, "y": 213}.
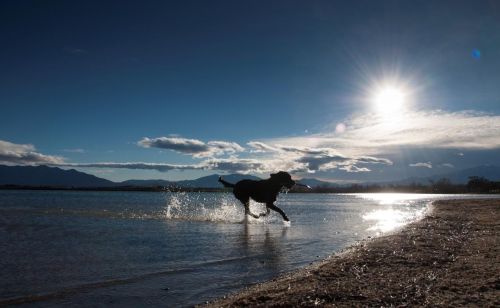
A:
{"x": 273, "y": 175}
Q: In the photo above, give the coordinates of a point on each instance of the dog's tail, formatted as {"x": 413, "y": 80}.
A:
{"x": 226, "y": 184}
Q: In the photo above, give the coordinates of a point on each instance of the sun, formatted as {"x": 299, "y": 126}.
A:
{"x": 389, "y": 97}
{"x": 389, "y": 102}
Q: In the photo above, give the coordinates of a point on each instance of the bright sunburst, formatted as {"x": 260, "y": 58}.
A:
{"x": 389, "y": 102}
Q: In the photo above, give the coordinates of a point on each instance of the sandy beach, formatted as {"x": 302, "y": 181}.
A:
{"x": 449, "y": 258}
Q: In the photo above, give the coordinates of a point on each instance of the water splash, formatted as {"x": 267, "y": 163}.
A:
{"x": 211, "y": 207}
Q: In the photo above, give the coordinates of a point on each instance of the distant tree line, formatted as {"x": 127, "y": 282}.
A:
{"x": 479, "y": 184}
{"x": 476, "y": 184}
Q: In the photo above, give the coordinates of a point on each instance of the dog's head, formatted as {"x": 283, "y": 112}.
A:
{"x": 283, "y": 178}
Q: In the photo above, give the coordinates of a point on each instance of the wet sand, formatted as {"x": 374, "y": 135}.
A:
{"x": 449, "y": 258}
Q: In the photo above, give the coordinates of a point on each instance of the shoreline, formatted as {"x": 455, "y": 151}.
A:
{"x": 450, "y": 257}
{"x": 461, "y": 189}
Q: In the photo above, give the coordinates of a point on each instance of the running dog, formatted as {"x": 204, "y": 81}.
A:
{"x": 263, "y": 191}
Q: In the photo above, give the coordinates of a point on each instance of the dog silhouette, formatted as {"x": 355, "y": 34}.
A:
{"x": 263, "y": 191}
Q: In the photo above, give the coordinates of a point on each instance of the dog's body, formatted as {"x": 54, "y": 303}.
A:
{"x": 263, "y": 191}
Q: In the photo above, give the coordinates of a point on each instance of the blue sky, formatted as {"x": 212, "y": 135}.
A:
{"x": 121, "y": 89}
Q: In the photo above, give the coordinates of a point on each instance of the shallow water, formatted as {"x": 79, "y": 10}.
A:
{"x": 171, "y": 249}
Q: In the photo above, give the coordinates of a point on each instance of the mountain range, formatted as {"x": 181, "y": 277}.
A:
{"x": 57, "y": 177}
{"x": 210, "y": 181}
{"x": 49, "y": 176}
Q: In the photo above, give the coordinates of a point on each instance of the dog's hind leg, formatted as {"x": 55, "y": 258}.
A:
{"x": 277, "y": 209}
{"x": 246, "y": 204}
{"x": 247, "y": 211}
{"x": 268, "y": 210}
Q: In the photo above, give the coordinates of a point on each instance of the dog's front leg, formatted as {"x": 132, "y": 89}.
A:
{"x": 277, "y": 209}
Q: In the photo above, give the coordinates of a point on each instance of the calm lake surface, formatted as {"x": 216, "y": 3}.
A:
{"x": 174, "y": 249}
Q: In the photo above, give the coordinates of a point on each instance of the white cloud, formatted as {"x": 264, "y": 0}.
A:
{"x": 372, "y": 135}
{"x": 448, "y": 165}
{"x": 312, "y": 159}
{"x": 251, "y": 165}
{"x": 133, "y": 165}
{"x": 352, "y": 168}
{"x": 236, "y": 165}
{"x": 232, "y": 164}
{"x": 229, "y": 165}
{"x": 24, "y": 154}
{"x": 224, "y": 147}
{"x": 260, "y": 147}
{"x": 365, "y": 140}
{"x": 425, "y": 165}
{"x": 373, "y": 160}
{"x": 321, "y": 162}
{"x": 369, "y": 139}
{"x": 182, "y": 145}
{"x": 194, "y": 147}
{"x": 438, "y": 129}
{"x": 74, "y": 150}
{"x": 292, "y": 159}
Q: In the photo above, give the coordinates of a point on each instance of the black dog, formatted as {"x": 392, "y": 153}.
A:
{"x": 264, "y": 191}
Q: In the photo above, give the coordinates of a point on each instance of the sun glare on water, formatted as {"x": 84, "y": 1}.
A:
{"x": 395, "y": 210}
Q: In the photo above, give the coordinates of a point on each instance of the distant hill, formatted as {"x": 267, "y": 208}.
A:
{"x": 212, "y": 181}
{"x": 49, "y": 176}
{"x": 53, "y": 176}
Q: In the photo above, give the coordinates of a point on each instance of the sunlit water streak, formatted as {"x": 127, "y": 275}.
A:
{"x": 169, "y": 249}
{"x": 402, "y": 209}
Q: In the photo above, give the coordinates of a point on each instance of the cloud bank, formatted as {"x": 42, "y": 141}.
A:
{"x": 226, "y": 165}
{"x": 364, "y": 142}
{"x": 425, "y": 165}
{"x": 24, "y": 154}
{"x": 373, "y": 135}
{"x": 309, "y": 159}
{"x": 194, "y": 147}
{"x": 131, "y": 165}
